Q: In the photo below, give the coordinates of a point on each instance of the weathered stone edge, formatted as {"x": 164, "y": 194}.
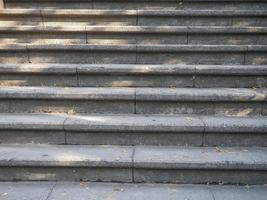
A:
{"x": 123, "y": 69}
{"x": 200, "y": 124}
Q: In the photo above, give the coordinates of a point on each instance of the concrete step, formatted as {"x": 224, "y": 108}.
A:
{"x": 176, "y": 130}
{"x": 134, "y": 54}
{"x": 140, "y": 4}
{"x": 134, "y": 35}
{"x": 118, "y": 191}
{"x": 206, "y": 101}
{"x": 133, "y": 75}
{"x": 57, "y": 17}
{"x": 133, "y": 164}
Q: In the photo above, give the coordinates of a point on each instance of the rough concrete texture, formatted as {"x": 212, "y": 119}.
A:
{"x": 133, "y": 129}
{"x": 101, "y": 191}
{"x": 133, "y": 164}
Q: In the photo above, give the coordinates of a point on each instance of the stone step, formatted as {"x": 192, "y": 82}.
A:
{"x": 132, "y": 75}
{"x": 134, "y": 35}
{"x": 57, "y": 17}
{"x": 206, "y": 101}
{"x": 134, "y": 54}
{"x": 153, "y": 164}
{"x": 130, "y": 191}
{"x": 176, "y": 130}
{"x": 140, "y": 4}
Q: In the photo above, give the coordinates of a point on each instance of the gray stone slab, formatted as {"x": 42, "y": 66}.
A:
{"x": 139, "y": 69}
{"x": 65, "y": 156}
{"x": 177, "y": 165}
{"x": 134, "y": 123}
{"x": 220, "y": 39}
{"x": 103, "y": 191}
{"x": 25, "y": 190}
{"x": 131, "y": 38}
{"x": 71, "y": 106}
{"x": 32, "y": 137}
{"x": 69, "y": 93}
{"x": 18, "y": 20}
{"x": 236, "y": 158}
{"x": 200, "y": 176}
{"x": 134, "y": 138}
{"x": 204, "y": 108}
{"x": 113, "y": 80}
{"x": 57, "y": 56}
{"x": 245, "y": 81}
{"x": 13, "y": 57}
{"x": 249, "y": 21}
{"x": 41, "y": 37}
{"x": 247, "y": 139}
{"x": 196, "y": 94}
{"x": 115, "y": 57}
{"x": 4, "y": 106}
{"x": 38, "y": 80}
{"x": 102, "y": 174}
{"x": 245, "y": 193}
{"x": 31, "y": 122}
{"x": 58, "y": 69}
{"x": 231, "y": 70}
{"x": 256, "y": 58}
{"x": 235, "y": 124}
{"x": 211, "y": 58}
{"x": 90, "y": 20}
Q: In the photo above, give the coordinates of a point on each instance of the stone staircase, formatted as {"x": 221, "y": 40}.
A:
{"x": 144, "y": 95}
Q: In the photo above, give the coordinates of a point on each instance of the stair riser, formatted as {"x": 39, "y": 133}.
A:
{"x": 139, "y": 107}
{"x": 128, "y": 38}
{"x": 133, "y": 21}
{"x": 114, "y": 80}
{"x": 200, "y": 176}
{"x": 65, "y": 174}
{"x": 132, "y": 138}
{"x": 140, "y": 5}
{"x": 125, "y": 175}
{"x": 132, "y": 57}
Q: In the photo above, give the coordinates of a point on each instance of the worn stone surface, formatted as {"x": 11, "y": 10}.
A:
{"x": 133, "y": 123}
{"x": 129, "y": 191}
{"x": 200, "y": 176}
{"x": 25, "y": 190}
{"x": 32, "y": 137}
{"x": 67, "y": 174}
{"x": 117, "y": 80}
{"x": 204, "y": 108}
{"x": 71, "y": 106}
{"x": 134, "y": 138}
{"x": 230, "y": 81}
{"x": 231, "y": 193}
{"x": 38, "y": 80}
{"x": 190, "y": 58}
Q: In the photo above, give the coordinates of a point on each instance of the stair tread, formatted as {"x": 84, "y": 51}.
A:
{"x": 138, "y": 29}
{"x": 158, "y": 157}
{"x": 133, "y": 69}
{"x": 134, "y": 123}
{"x": 98, "y": 12}
{"x": 134, "y": 47}
{"x": 101, "y": 191}
{"x": 137, "y": 94}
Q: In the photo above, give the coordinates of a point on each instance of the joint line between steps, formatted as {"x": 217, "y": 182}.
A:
{"x": 211, "y": 192}
{"x": 77, "y": 77}
{"x": 51, "y": 191}
{"x": 135, "y": 99}
{"x": 133, "y": 155}
{"x": 64, "y": 130}
{"x": 204, "y": 130}
{"x": 42, "y": 18}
